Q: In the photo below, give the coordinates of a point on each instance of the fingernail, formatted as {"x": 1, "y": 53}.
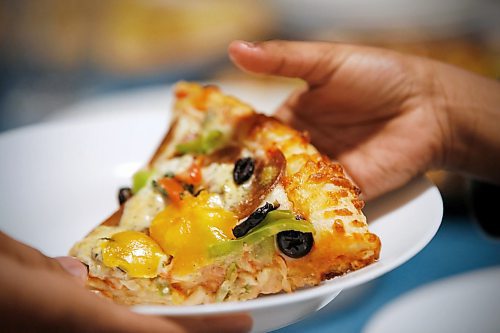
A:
{"x": 72, "y": 266}
{"x": 248, "y": 44}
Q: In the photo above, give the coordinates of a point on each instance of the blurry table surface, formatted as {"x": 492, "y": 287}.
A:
{"x": 459, "y": 246}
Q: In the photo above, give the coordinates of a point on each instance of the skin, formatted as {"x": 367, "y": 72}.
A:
{"x": 387, "y": 117}
{"x": 39, "y": 293}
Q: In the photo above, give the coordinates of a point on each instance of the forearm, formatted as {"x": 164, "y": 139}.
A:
{"x": 472, "y": 107}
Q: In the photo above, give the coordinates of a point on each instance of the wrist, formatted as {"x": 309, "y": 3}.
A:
{"x": 433, "y": 101}
{"x": 470, "y": 105}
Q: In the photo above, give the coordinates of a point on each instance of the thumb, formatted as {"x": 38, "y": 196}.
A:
{"x": 315, "y": 62}
{"x": 73, "y": 267}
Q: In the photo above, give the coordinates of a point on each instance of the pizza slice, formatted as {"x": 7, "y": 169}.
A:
{"x": 232, "y": 205}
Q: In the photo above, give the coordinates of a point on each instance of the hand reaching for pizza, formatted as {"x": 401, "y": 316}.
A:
{"x": 44, "y": 294}
{"x": 385, "y": 116}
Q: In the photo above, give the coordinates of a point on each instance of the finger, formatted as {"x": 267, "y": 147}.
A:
{"x": 22, "y": 253}
{"x": 123, "y": 320}
{"x": 223, "y": 324}
{"x": 62, "y": 306}
{"x": 314, "y": 62}
{"x": 73, "y": 267}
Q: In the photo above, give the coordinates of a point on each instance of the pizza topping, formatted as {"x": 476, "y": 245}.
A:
{"x": 205, "y": 143}
{"x": 226, "y": 154}
{"x": 268, "y": 173}
{"x": 243, "y": 170}
{"x": 133, "y": 252}
{"x": 192, "y": 175}
{"x": 253, "y": 220}
{"x": 124, "y": 194}
{"x": 225, "y": 287}
{"x": 171, "y": 188}
{"x": 295, "y": 244}
{"x": 140, "y": 179}
{"x": 274, "y": 223}
{"x": 186, "y": 231}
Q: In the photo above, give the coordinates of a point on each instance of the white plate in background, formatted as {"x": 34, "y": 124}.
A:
{"x": 60, "y": 179}
{"x": 468, "y": 302}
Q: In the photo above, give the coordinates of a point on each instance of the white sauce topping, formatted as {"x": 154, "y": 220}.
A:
{"x": 218, "y": 178}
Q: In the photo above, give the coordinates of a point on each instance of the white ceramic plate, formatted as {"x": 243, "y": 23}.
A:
{"x": 468, "y": 302}
{"x": 60, "y": 179}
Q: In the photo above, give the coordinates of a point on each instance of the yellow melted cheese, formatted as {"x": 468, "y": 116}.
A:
{"x": 186, "y": 231}
{"x": 134, "y": 252}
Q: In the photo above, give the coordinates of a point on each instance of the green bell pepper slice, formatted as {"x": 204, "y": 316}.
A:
{"x": 201, "y": 145}
{"x": 140, "y": 179}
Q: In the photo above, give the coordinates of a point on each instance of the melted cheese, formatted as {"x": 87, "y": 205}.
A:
{"x": 140, "y": 210}
{"x": 83, "y": 249}
{"x": 134, "y": 252}
{"x": 219, "y": 179}
{"x": 278, "y": 194}
{"x": 174, "y": 165}
{"x": 186, "y": 231}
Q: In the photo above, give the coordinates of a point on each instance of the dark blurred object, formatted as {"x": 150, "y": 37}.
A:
{"x": 453, "y": 189}
{"x": 484, "y": 200}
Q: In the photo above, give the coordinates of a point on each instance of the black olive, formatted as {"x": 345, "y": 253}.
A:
{"x": 124, "y": 194}
{"x": 243, "y": 170}
{"x": 253, "y": 220}
{"x": 295, "y": 244}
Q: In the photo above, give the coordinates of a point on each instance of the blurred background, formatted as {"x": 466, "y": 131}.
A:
{"x": 55, "y": 54}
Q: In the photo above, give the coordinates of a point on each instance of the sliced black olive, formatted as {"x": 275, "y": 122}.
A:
{"x": 253, "y": 220}
{"x": 295, "y": 244}
{"x": 124, "y": 194}
{"x": 243, "y": 170}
